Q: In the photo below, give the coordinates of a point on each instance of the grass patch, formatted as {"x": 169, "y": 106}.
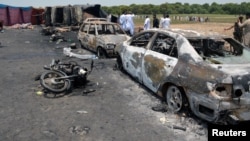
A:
{"x": 181, "y": 18}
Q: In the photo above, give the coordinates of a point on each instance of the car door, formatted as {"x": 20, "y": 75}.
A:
{"x": 83, "y": 32}
{"x": 90, "y": 38}
{"x": 159, "y": 61}
{"x": 134, "y": 52}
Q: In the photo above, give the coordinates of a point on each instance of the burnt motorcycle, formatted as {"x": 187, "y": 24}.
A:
{"x": 63, "y": 76}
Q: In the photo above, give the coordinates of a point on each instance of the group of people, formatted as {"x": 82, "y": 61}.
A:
{"x": 242, "y": 30}
{"x": 164, "y": 22}
{"x": 127, "y": 22}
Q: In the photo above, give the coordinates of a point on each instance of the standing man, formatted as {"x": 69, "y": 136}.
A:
{"x": 237, "y": 33}
{"x": 122, "y": 20}
{"x": 130, "y": 26}
{"x": 146, "y": 23}
{"x": 165, "y": 22}
{"x": 155, "y": 21}
{"x": 246, "y": 30}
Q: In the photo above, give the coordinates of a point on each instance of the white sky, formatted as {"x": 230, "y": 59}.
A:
{"x": 44, "y": 3}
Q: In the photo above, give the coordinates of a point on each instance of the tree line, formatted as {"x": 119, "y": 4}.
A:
{"x": 179, "y": 8}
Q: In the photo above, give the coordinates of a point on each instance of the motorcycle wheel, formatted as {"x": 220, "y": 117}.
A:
{"x": 48, "y": 81}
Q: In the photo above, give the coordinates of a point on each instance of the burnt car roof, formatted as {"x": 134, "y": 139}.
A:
{"x": 95, "y": 19}
{"x": 191, "y": 33}
{"x": 98, "y": 21}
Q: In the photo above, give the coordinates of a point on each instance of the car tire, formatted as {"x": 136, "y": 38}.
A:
{"x": 101, "y": 54}
{"x": 175, "y": 99}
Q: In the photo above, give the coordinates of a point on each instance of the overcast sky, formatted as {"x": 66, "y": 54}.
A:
{"x": 43, "y": 3}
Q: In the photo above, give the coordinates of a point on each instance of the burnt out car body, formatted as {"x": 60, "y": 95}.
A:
{"x": 100, "y": 36}
{"x": 209, "y": 74}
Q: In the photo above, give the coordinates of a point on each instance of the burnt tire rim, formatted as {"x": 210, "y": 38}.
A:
{"x": 174, "y": 99}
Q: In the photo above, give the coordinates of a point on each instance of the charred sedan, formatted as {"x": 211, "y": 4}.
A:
{"x": 100, "y": 36}
{"x": 209, "y": 75}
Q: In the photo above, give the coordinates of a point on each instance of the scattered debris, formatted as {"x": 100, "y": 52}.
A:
{"x": 48, "y": 31}
{"x": 22, "y": 26}
{"x": 82, "y": 112}
{"x": 160, "y": 108}
{"x": 68, "y": 52}
{"x": 79, "y": 130}
{"x": 60, "y": 77}
{"x": 72, "y": 46}
{"x": 179, "y": 127}
{"x": 163, "y": 120}
{"x": 56, "y": 37}
{"x": 62, "y": 29}
{"x": 39, "y": 93}
{"x": 85, "y": 92}
{"x": 49, "y": 133}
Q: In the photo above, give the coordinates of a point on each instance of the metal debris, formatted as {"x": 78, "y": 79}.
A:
{"x": 79, "y": 130}
{"x": 68, "y": 52}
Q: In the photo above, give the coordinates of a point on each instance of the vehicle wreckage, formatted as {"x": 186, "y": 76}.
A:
{"x": 210, "y": 75}
{"x": 101, "y": 36}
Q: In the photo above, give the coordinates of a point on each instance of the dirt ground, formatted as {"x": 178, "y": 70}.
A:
{"x": 119, "y": 109}
{"x": 207, "y": 28}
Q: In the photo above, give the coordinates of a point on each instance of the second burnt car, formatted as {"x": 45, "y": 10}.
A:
{"x": 210, "y": 75}
{"x": 100, "y": 36}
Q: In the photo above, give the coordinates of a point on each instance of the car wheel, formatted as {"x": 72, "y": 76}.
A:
{"x": 101, "y": 53}
{"x": 174, "y": 99}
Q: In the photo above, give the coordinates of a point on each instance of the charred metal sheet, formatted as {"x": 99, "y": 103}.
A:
{"x": 135, "y": 59}
{"x": 70, "y": 53}
{"x": 157, "y": 69}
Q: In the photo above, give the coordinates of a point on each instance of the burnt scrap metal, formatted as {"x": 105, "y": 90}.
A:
{"x": 72, "y": 15}
{"x": 210, "y": 74}
{"x": 69, "y": 52}
{"x": 56, "y": 37}
{"x": 179, "y": 127}
{"x": 46, "y": 31}
{"x": 101, "y": 36}
{"x": 61, "y": 77}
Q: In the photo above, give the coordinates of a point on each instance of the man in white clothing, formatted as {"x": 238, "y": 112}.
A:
{"x": 130, "y": 23}
{"x": 165, "y": 22}
{"x": 122, "y": 20}
{"x": 146, "y": 23}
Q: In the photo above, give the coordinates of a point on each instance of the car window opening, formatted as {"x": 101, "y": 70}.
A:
{"x": 142, "y": 40}
{"x": 165, "y": 45}
{"x": 214, "y": 48}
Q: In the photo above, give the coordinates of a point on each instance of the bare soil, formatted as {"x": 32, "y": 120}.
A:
{"x": 207, "y": 28}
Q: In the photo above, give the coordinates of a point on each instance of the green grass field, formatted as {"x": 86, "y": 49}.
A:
{"x": 139, "y": 19}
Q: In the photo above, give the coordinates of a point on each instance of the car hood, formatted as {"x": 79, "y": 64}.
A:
{"x": 115, "y": 38}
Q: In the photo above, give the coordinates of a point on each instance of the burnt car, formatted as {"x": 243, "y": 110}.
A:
{"x": 100, "y": 36}
{"x": 209, "y": 75}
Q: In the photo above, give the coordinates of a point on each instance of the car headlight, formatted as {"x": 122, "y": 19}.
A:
{"x": 227, "y": 91}
{"x": 238, "y": 91}
{"x": 220, "y": 91}
{"x": 110, "y": 46}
